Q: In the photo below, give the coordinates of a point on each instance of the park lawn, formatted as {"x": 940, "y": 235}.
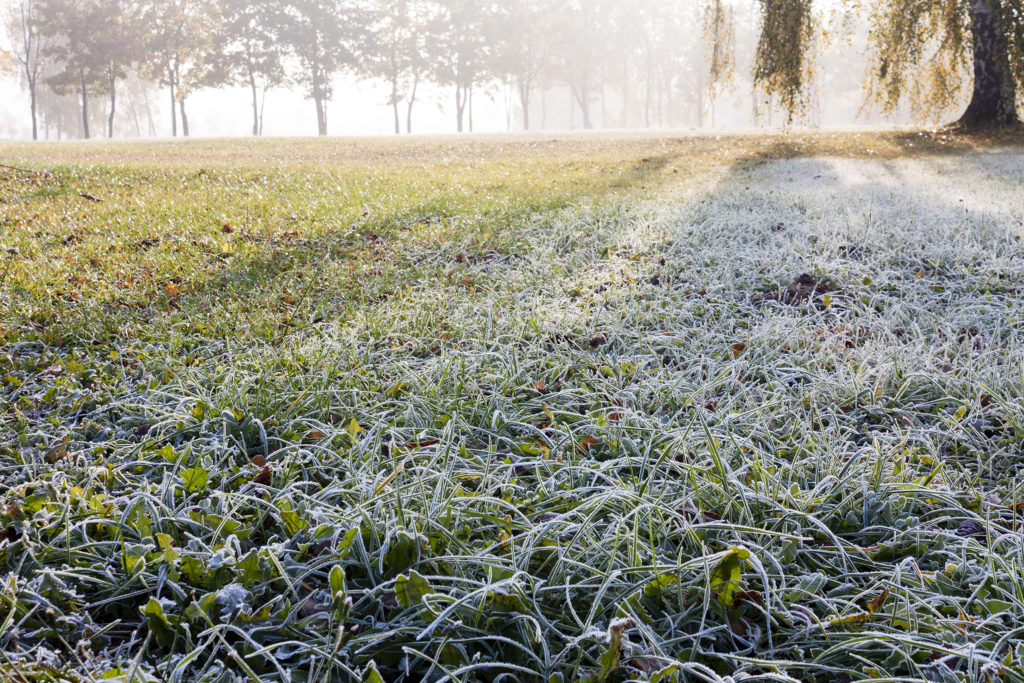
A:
{"x": 513, "y": 406}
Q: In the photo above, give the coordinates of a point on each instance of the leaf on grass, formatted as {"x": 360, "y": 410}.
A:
{"x": 263, "y": 476}
{"x": 736, "y": 349}
{"x": 875, "y": 604}
{"x": 159, "y": 625}
{"x": 655, "y": 589}
{"x": 172, "y": 289}
{"x": 725, "y": 578}
{"x": 371, "y": 675}
{"x": 337, "y": 580}
{"x": 292, "y": 521}
{"x": 195, "y": 478}
{"x": 410, "y": 590}
{"x": 609, "y": 660}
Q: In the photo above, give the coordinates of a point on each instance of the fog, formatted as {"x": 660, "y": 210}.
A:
{"x": 660, "y": 77}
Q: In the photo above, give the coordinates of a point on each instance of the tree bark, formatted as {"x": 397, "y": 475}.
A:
{"x": 255, "y": 103}
{"x": 174, "y": 103}
{"x": 524, "y": 101}
{"x": 85, "y": 106}
{"x": 993, "y": 101}
{"x": 321, "y": 116}
{"x": 184, "y": 117}
{"x": 582, "y": 96}
{"x": 412, "y": 101}
{"x": 113, "y": 105}
{"x": 460, "y": 105}
{"x": 32, "y": 105}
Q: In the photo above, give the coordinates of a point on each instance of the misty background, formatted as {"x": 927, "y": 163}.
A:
{"x": 655, "y": 64}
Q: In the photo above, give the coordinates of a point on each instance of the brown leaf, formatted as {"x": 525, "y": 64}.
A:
{"x": 311, "y": 606}
{"x": 970, "y": 527}
{"x": 749, "y": 597}
{"x": 422, "y": 444}
{"x": 227, "y": 228}
{"x": 736, "y": 349}
{"x": 263, "y": 477}
{"x": 173, "y": 289}
{"x": 52, "y": 371}
{"x": 259, "y": 461}
{"x": 875, "y": 604}
{"x": 587, "y": 443}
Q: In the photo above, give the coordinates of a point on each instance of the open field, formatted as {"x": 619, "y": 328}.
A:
{"x": 497, "y": 409}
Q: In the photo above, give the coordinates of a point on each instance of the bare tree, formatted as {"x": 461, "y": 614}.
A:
{"x": 27, "y": 48}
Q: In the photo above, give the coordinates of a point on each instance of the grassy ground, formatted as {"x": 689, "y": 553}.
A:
{"x": 597, "y": 408}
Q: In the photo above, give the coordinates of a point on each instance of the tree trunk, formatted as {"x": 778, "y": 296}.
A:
{"x": 993, "y": 102}
{"x": 113, "y": 105}
{"x": 32, "y": 105}
{"x": 460, "y": 106}
{"x": 321, "y": 115}
{"x": 394, "y": 104}
{"x": 85, "y": 107}
{"x": 174, "y": 104}
{"x": 263, "y": 106}
{"x": 524, "y": 102}
{"x": 150, "y": 123}
{"x": 583, "y": 99}
{"x": 255, "y": 103}
{"x": 412, "y": 101}
{"x": 184, "y": 117}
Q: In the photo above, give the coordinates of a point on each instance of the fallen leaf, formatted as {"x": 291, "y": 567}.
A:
{"x": 263, "y": 476}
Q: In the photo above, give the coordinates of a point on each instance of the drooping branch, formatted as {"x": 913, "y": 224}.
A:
{"x": 783, "y": 60}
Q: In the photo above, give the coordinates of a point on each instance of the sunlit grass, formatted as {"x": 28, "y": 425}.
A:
{"x": 513, "y": 411}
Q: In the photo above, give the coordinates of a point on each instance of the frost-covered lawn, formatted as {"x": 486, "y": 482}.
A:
{"x": 594, "y": 409}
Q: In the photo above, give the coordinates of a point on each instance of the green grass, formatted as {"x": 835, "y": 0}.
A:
{"x": 513, "y": 409}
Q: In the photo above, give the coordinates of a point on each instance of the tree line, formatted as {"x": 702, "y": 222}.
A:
{"x": 651, "y": 53}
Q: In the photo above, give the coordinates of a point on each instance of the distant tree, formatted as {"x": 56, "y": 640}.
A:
{"x": 324, "y": 36}
{"x": 400, "y": 51}
{"x": 71, "y": 27}
{"x": 523, "y": 43}
{"x": 945, "y": 41}
{"x": 246, "y": 50}
{"x": 178, "y": 39}
{"x": 463, "y": 31}
{"x": 581, "y": 55}
{"x": 115, "y": 48}
{"x": 27, "y": 50}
